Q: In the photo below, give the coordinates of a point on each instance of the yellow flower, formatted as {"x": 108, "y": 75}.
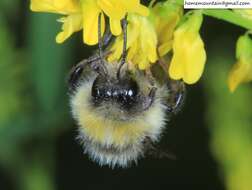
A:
{"x": 149, "y": 35}
{"x": 83, "y": 14}
{"x": 141, "y": 42}
{"x": 166, "y": 16}
{"x": 90, "y": 14}
{"x": 55, "y": 6}
{"x": 189, "y": 55}
{"x": 71, "y": 24}
{"x": 241, "y": 72}
{"x": 116, "y": 10}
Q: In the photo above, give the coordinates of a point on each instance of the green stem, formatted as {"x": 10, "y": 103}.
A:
{"x": 226, "y": 15}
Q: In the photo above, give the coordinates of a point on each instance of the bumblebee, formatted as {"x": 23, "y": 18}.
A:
{"x": 119, "y": 113}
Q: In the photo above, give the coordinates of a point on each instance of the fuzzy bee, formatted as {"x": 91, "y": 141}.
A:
{"x": 120, "y": 113}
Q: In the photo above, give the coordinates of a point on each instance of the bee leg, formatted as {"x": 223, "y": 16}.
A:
{"x": 124, "y": 52}
{"x": 177, "y": 96}
{"x": 75, "y": 73}
{"x": 107, "y": 37}
{"x": 101, "y": 69}
{"x": 100, "y": 41}
{"x": 96, "y": 61}
{"x": 149, "y": 99}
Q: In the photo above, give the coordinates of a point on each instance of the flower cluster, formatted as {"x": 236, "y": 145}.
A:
{"x": 149, "y": 37}
{"x": 154, "y": 33}
{"x": 83, "y": 14}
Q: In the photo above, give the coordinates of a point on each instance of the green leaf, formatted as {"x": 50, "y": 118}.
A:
{"x": 48, "y": 64}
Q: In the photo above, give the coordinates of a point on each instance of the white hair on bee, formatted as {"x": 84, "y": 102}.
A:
{"x": 109, "y": 155}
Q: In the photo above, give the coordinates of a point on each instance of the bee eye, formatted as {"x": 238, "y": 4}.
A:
{"x": 124, "y": 92}
{"x": 127, "y": 93}
{"x": 101, "y": 90}
{"x": 97, "y": 92}
{"x": 131, "y": 89}
{"x": 75, "y": 75}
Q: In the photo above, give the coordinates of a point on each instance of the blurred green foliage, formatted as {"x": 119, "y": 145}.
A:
{"x": 33, "y": 97}
{"x": 11, "y": 80}
{"x": 229, "y": 119}
{"x": 8, "y": 7}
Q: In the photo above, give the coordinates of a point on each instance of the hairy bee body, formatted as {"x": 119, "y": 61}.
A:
{"x": 111, "y": 133}
{"x": 120, "y": 111}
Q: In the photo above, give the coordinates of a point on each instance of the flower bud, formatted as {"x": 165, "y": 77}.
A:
{"x": 241, "y": 72}
{"x": 189, "y": 55}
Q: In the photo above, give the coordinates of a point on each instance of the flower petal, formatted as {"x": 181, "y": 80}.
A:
{"x": 133, "y": 30}
{"x": 132, "y": 50}
{"x": 189, "y": 55}
{"x": 55, "y": 6}
{"x": 134, "y": 6}
{"x": 165, "y": 47}
{"x": 141, "y": 60}
{"x": 115, "y": 26}
{"x": 112, "y": 8}
{"x": 72, "y": 23}
{"x": 148, "y": 40}
{"x": 116, "y": 50}
{"x": 189, "y": 58}
{"x": 196, "y": 59}
{"x": 167, "y": 15}
{"x": 116, "y": 10}
{"x": 240, "y": 73}
{"x": 141, "y": 42}
{"x": 90, "y": 15}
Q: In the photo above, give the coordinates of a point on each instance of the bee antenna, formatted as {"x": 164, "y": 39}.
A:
{"x": 124, "y": 52}
{"x": 102, "y": 69}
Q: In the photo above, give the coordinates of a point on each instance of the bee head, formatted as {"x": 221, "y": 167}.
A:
{"x": 123, "y": 92}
